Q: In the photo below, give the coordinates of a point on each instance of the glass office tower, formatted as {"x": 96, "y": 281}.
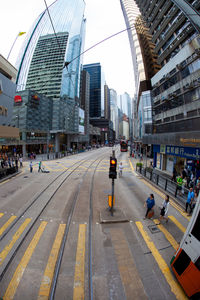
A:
{"x": 42, "y": 59}
{"x": 50, "y": 62}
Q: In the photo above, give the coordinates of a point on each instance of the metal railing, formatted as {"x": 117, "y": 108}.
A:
{"x": 164, "y": 183}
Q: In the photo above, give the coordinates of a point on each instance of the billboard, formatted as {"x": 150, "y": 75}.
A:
{"x": 81, "y": 127}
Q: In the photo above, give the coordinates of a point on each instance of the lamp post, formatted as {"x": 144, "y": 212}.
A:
{"x": 19, "y": 34}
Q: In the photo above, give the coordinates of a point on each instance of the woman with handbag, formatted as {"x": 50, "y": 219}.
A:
{"x": 164, "y": 209}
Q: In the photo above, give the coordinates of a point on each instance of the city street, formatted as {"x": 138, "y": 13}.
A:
{"x": 58, "y": 238}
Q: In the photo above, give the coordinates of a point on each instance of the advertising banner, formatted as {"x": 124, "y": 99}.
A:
{"x": 81, "y": 121}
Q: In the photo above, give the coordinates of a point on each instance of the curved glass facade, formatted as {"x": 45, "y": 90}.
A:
{"x": 42, "y": 58}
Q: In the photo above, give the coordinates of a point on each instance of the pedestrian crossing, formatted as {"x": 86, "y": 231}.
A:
{"x": 129, "y": 274}
{"x": 60, "y": 167}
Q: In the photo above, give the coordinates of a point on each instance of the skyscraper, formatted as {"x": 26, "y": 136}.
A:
{"x": 50, "y": 63}
{"x": 97, "y": 82}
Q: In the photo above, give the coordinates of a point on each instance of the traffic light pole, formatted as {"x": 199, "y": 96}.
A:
{"x": 111, "y": 210}
{"x": 113, "y": 184}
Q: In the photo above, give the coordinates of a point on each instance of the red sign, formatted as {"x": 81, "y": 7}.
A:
{"x": 18, "y": 99}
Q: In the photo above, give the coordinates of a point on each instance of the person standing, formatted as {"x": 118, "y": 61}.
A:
{"x": 39, "y": 166}
{"x": 190, "y": 199}
{"x": 150, "y": 202}
{"x": 164, "y": 210}
{"x": 179, "y": 184}
{"x": 21, "y": 161}
{"x": 31, "y": 167}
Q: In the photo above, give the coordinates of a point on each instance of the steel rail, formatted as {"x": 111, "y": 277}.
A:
{"x": 64, "y": 240}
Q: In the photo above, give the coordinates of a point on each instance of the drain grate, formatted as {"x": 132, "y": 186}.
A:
{"x": 153, "y": 228}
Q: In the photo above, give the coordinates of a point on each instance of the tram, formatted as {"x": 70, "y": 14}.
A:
{"x": 186, "y": 261}
{"x": 123, "y": 146}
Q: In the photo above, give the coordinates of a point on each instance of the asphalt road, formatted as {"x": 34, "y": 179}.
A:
{"x": 125, "y": 257}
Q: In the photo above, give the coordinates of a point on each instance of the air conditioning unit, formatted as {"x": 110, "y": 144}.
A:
{"x": 197, "y": 51}
{"x": 179, "y": 67}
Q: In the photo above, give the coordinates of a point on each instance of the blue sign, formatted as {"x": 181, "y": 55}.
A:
{"x": 186, "y": 152}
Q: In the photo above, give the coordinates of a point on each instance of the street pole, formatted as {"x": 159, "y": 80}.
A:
{"x": 113, "y": 183}
{"x": 112, "y": 197}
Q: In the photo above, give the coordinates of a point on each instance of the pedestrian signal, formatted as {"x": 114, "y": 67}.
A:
{"x": 113, "y": 168}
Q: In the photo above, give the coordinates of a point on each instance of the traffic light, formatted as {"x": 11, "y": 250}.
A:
{"x": 113, "y": 168}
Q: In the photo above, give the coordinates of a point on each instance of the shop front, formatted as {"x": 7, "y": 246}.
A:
{"x": 168, "y": 157}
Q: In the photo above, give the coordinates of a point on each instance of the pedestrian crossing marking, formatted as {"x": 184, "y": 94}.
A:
{"x": 80, "y": 265}
{"x": 177, "y": 223}
{"x": 175, "y": 287}
{"x": 49, "y": 271}
{"x": 12, "y": 287}
{"x": 15, "y": 237}
{"x": 168, "y": 235}
{"x": 132, "y": 168}
{"x": 6, "y": 225}
{"x": 132, "y": 283}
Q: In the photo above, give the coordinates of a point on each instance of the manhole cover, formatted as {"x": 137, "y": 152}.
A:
{"x": 130, "y": 184}
{"x": 153, "y": 229}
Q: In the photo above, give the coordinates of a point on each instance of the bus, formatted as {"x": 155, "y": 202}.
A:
{"x": 123, "y": 146}
{"x": 186, "y": 261}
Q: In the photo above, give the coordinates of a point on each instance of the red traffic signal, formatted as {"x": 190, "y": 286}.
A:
{"x": 113, "y": 168}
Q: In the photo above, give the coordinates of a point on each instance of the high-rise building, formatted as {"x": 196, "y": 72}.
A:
{"x": 107, "y": 101}
{"x": 175, "y": 27}
{"x": 114, "y": 112}
{"x": 50, "y": 63}
{"x": 142, "y": 48}
{"x": 171, "y": 24}
{"x": 85, "y": 102}
{"x": 9, "y": 136}
{"x": 97, "y": 82}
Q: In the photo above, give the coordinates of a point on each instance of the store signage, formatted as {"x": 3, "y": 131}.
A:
{"x": 186, "y": 152}
{"x": 34, "y": 101}
{"x": 162, "y": 148}
{"x": 18, "y": 99}
{"x": 3, "y": 111}
{"x": 1, "y": 87}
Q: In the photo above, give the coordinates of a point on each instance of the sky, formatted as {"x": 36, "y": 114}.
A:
{"x": 104, "y": 18}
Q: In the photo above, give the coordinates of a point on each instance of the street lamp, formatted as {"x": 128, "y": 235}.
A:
{"x": 19, "y": 34}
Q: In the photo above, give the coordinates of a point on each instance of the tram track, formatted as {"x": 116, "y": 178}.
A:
{"x": 5, "y": 264}
{"x": 64, "y": 240}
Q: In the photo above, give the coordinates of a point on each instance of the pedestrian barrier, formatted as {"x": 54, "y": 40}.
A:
{"x": 165, "y": 183}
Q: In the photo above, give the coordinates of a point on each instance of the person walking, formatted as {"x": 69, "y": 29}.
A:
{"x": 150, "y": 202}
{"x": 190, "y": 199}
{"x": 120, "y": 169}
{"x": 21, "y": 161}
{"x": 39, "y": 166}
{"x": 31, "y": 167}
{"x": 164, "y": 210}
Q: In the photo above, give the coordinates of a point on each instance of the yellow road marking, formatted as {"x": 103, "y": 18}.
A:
{"x": 132, "y": 283}
{"x": 175, "y": 288}
{"x": 16, "y": 236}
{"x": 80, "y": 265}
{"x": 5, "y": 226}
{"x": 49, "y": 271}
{"x": 163, "y": 196}
{"x": 177, "y": 223}
{"x": 4, "y": 181}
{"x": 168, "y": 235}
{"x": 12, "y": 287}
{"x": 132, "y": 168}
